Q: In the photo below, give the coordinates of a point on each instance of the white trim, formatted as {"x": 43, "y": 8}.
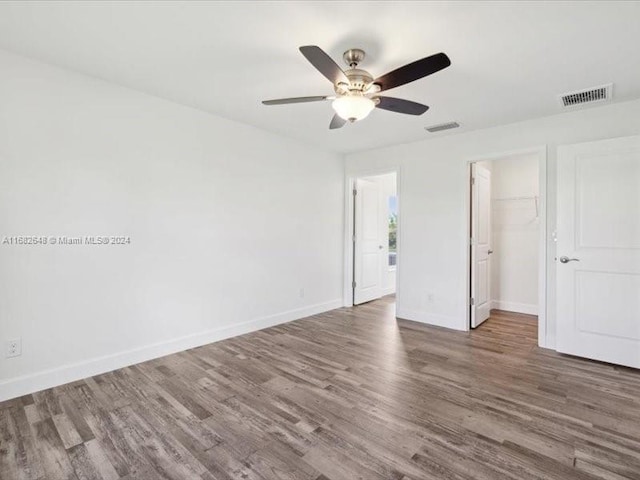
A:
{"x": 528, "y": 308}
{"x": 350, "y": 180}
{"x": 35, "y": 382}
{"x": 544, "y": 339}
{"x": 432, "y": 319}
{"x": 541, "y": 151}
{"x": 389, "y": 290}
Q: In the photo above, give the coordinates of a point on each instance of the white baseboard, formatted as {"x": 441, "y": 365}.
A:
{"x": 430, "y": 318}
{"x": 530, "y": 309}
{"x": 16, "y": 387}
{"x": 389, "y": 290}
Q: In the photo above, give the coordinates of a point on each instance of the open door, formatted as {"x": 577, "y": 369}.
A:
{"x": 368, "y": 247}
{"x": 480, "y": 244}
{"x": 598, "y": 249}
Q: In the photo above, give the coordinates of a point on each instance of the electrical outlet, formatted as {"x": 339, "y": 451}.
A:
{"x": 13, "y": 348}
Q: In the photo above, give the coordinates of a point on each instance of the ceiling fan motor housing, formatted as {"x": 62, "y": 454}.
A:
{"x": 359, "y": 80}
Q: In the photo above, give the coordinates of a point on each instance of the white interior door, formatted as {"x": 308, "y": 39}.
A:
{"x": 480, "y": 244}
{"x": 598, "y": 250}
{"x": 368, "y": 247}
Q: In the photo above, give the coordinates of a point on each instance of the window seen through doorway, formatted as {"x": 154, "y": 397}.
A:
{"x": 393, "y": 230}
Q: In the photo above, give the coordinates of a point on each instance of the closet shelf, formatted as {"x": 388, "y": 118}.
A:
{"x": 502, "y": 199}
{"x": 534, "y": 198}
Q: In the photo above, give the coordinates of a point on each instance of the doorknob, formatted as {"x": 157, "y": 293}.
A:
{"x": 490, "y": 252}
{"x": 565, "y": 259}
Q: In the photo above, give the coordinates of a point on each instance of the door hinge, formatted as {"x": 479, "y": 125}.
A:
{"x": 471, "y": 241}
{"x": 355, "y": 192}
{"x": 353, "y": 284}
{"x": 473, "y": 180}
{"x": 472, "y": 301}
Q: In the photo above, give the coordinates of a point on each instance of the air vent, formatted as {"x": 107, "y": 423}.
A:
{"x": 442, "y": 126}
{"x": 588, "y": 95}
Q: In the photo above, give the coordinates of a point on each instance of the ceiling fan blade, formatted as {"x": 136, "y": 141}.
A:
{"x": 324, "y": 64}
{"x": 286, "y": 101}
{"x": 413, "y": 71}
{"x": 399, "y": 105}
{"x": 337, "y": 122}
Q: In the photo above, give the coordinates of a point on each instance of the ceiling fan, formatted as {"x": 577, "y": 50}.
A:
{"x": 356, "y": 89}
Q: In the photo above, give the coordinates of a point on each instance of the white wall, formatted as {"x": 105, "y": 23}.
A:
{"x": 386, "y": 187}
{"x": 434, "y": 184}
{"x": 515, "y": 233}
{"x": 227, "y": 223}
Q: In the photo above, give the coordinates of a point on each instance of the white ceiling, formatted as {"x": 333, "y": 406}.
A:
{"x": 509, "y": 59}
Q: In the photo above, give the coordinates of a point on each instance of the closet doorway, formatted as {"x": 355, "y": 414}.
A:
{"x": 507, "y": 235}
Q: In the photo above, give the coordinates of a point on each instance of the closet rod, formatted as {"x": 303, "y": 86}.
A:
{"x": 515, "y": 198}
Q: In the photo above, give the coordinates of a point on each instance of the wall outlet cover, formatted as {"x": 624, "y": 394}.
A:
{"x": 13, "y": 348}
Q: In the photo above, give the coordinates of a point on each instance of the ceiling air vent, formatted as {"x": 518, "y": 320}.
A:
{"x": 588, "y": 95}
{"x": 441, "y": 127}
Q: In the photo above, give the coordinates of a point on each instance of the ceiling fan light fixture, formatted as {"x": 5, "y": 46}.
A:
{"x": 353, "y": 107}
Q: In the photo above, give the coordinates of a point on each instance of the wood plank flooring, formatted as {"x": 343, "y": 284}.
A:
{"x": 349, "y": 394}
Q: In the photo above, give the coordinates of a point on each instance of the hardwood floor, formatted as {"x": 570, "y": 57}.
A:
{"x": 349, "y": 394}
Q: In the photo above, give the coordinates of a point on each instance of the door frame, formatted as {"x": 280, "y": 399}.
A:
{"x": 350, "y": 181}
{"x": 541, "y": 152}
